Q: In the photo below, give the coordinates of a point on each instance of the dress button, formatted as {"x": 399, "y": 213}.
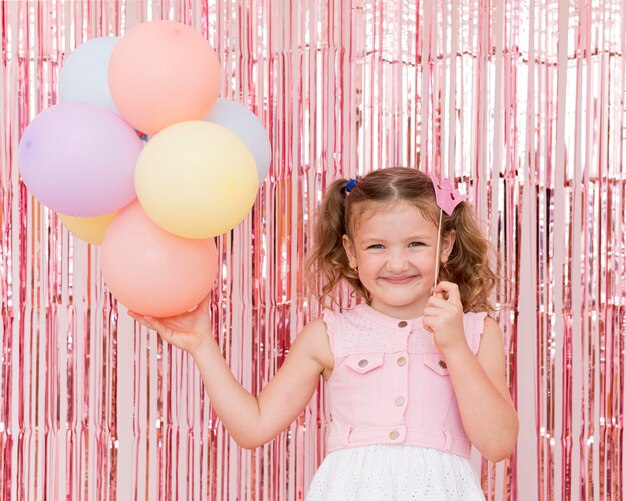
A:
{"x": 401, "y": 361}
{"x": 443, "y": 364}
{"x": 403, "y": 323}
{"x": 399, "y": 401}
{"x": 394, "y": 435}
{"x": 363, "y": 363}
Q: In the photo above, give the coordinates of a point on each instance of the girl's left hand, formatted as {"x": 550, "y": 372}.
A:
{"x": 443, "y": 316}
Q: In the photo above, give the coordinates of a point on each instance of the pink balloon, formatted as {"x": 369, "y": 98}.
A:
{"x": 79, "y": 159}
{"x": 154, "y": 272}
{"x": 162, "y": 73}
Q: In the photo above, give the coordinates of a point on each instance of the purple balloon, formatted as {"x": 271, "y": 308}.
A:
{"x": 79, "y": 159}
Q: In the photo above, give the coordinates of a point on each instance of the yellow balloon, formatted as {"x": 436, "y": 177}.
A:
{"x": 89, "y": 229}
{"x": 196, "y": 179}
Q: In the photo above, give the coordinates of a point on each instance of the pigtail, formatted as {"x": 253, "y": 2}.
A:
{"x": 468, "y": 263}
{"x": 327, "y": 263}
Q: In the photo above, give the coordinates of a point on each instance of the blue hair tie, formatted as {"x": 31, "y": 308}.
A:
{"x": 351, "y": 184}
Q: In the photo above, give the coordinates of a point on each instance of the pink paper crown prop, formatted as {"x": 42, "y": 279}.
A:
{"x": 447, "y": 197}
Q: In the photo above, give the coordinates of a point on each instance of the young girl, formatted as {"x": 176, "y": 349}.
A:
{"x": 414, "y": 375}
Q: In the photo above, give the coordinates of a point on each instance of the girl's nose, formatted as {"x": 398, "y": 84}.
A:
{"x": 397, "y": 262}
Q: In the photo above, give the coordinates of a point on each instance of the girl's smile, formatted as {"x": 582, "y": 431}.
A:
{"x": 399, "y": 280}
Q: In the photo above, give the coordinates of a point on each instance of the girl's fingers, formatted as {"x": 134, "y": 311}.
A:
{"x": 430, "y": 312}
{"x": 138, "y": 318}
{"x": 156, "y": 324}
{"x": 146, "y": 321}
{"x": 205, "y": 303}
{"x": 436, "y": 302}
{"x": 449, "y": 289}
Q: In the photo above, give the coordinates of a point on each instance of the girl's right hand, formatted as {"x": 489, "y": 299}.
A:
{"x": 187, "y": 331}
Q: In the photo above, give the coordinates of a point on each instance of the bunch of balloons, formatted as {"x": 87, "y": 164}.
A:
{"x": 153, "y": 205}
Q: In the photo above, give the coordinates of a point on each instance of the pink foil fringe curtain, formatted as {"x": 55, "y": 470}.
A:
{"x": 523, "y": 103}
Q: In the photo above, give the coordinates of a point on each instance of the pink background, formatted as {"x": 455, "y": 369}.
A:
{"x": 523, "y": 102}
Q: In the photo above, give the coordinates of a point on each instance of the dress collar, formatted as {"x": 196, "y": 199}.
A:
{"x": 386, "y": 321}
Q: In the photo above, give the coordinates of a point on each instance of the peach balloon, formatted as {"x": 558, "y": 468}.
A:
{"x": 151, "y": 271}
{"x": 161, "y": 73}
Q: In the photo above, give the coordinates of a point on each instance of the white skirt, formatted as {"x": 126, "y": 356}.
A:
{"x": 394, "y": 472}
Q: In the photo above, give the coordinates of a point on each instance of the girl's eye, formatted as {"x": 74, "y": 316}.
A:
{"x": 376, "y": 246}
{"x": 416, "y": 244}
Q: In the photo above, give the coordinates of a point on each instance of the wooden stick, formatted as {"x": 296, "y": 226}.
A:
{"x": 438, "y": 246}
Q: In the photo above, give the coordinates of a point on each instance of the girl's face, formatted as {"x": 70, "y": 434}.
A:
{"x": 394, "y": 249}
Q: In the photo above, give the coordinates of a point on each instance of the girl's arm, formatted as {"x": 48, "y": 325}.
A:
{"x": 479, "y": 382}
{"x": 251, "y": 420}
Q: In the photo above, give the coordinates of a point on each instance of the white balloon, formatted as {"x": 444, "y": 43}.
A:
{"x": 243, "y": 123}
{"x": 84, "y": 74}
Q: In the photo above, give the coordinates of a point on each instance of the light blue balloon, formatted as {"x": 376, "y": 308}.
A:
{"x": 243, "y": 123}
{"x": 84, "y": 74}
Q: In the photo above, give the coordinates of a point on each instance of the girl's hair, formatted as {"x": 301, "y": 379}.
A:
{"x": 467, "y": 265}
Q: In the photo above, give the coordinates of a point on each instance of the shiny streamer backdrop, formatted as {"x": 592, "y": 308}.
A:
{"x": 523, "y": 102}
